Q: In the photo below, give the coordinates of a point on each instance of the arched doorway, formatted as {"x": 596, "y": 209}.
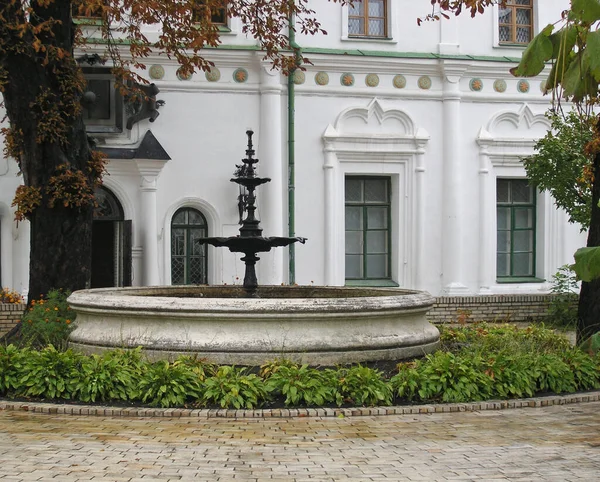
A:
{"x": 111, "y": 242}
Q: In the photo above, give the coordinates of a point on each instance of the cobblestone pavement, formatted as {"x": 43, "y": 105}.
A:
{"x": 558, "y": 443}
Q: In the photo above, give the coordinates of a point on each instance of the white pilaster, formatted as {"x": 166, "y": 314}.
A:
{"x": 453, "y": 188}
{"x": 419, "y": 240}
{"x": 271, "y": 196}
{"x": 331, "y": 231}
{"x": 486, "y": 216}
{"x": 149, "y": 170}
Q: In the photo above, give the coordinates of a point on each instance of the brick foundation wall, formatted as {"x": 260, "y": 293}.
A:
{"x": 499, "y": 308}
{"x": 10, "y": 315}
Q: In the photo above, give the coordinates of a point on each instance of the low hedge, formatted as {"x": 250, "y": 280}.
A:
{"x": 474, "y": 363}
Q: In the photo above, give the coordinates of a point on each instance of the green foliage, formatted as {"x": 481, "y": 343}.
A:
{"x": 50, "y": 373}
{"x": 592, "y": 345}
{"x": 363, "y": 386}
{"x": 105, "y": 378}
{"x": 11, "y": 365}
{"x": 585, "y": 369}
{"x": 563, "y": 306}
{"x": 534, "y": 58}
{"x": 511, "y": 374}
{"x": 301, "y": 385}
{"x": 561, "y": 167}
{"x": 48, "y": 321}
{"x": 199, "y": 366}
{"x": 553, "y": 374}
{"x": 167, "y": 384}
{"x": 231, "y": 387}
{"x": 587, "y": 263}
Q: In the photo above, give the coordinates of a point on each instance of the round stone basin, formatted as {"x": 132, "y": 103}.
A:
{"x": 308, "y": 324}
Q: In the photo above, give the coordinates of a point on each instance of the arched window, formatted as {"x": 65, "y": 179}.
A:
{"x": 188, "y": 257}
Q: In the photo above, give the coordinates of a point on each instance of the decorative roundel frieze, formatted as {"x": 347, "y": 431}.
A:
{"x": 240, "y": 75}
{"x": 347, "y": 79}
{"x": 523, "y": 86}
{"x": 424, "y": 82}
{"x": 322, "y": 78}
{"x": 299, "y": 77}
{"x": 476, "y": 85}
{"x": 213, "y": 75}
{"x": 157, "y": 72}
{"x": 182, "y": 76}
{"x": 372, "y": 80}
{"x": 500, "y": 85}
{"x": 399, "y": 81}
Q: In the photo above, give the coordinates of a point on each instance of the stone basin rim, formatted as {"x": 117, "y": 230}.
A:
{"x": 158, "y": 299}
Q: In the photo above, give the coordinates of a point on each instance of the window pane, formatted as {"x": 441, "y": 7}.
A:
{"x": 377, "y": 266}
{"x": 522, "y": 241}
{"x": 356, "y": 26}
{"x": 376, "y": 8}
{"x": 197, "y": 248}
{"x": 503, "y": 242}
{"x": 100, "y": 109}
{"x": 523, "y": 35}
{"x": 354, "y": 218}
{"x": 523, "y": 264}
{"x": 376, "y": 190}
{"x": 357, "y": 8}
{"x": 523, "y": 16}
{"x": 505, "y": 15}
{"x": 197, "y": 270}
{"x": 377, "y": 241}
{"x": 178, "y": 242}
{"x": 502, "y": 191}
{"x": 522, "y": 2}
{"x": 354, "y": 242}
{"x": 354, "y": 266}
{"x": 503, "y": 215}
{"x": 521, "y": 191}
{"x": 503, "y": 264}
{"x": 377, "y": 217}
{"x": 504, "y": 34}
{"x": 354, "y": 190}
{"x": 377, "y": 27}
{"x": 179, "y": 218}
{"x": 177, "y": 271}
{"x": 523, "y": 218}
{"x": 195, "y": 217}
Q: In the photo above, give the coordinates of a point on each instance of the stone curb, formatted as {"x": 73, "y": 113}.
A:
{"x": 100, "y": 411}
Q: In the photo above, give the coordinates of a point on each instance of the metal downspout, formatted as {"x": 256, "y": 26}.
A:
{"x": 292, "y": 153}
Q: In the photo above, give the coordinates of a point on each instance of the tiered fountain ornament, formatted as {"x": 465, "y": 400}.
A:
{"x": 250, "y": 241}
{"x": 251, "y": 325}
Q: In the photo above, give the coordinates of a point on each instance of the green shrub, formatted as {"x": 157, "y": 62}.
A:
{"x": 406, "y": 382}
{"x": 553, "y": 374}
{"x": 11, "y": 362}
{"x": 563, "y": 306}
{"x": 231, "y": 387}
{"x": 167, "y": 384}
{"x": 512, "y": 375}
{"x": 50, "y": 373}
{"x": 132, "y": 359}
{"x": 199, "y": 366}
{"x": 48, "y": 321}
{"x": 363, "y": 386}
{"x": 585, "y": 369}
{"x": 301, "y": 385}
{"x": 106, "y": 378}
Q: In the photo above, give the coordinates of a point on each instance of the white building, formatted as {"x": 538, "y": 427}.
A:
{"x": 408, "y": 142}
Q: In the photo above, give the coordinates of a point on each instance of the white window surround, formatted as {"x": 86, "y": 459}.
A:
{"x": 500, "y": 157}
{"x": 387, "y": 144}
{"x": 496, "y": 28}
{"x": 214, "y": 271}
{"x": 392, "y": 34}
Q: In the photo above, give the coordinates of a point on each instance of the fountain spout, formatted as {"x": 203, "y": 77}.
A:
{"x": 250, "y": 240}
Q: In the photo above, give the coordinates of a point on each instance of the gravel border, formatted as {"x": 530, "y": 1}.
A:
{"x": 108, "y": 411}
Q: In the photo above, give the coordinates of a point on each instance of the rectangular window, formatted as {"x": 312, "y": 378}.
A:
{"x": 103, "y": 110}
{"x": 515, "y": 212}
{"x": 218, "y": 16}
{"x": 367, "y": 203}
{"x": 515, "y": 22}
{"x": 367, "y": 18}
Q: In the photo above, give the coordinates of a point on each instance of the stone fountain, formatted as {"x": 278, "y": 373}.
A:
{"x": 251, "y": 324}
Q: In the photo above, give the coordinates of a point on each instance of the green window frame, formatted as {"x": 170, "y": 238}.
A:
{"x": 189, "y": 260}
{"x": 516, "y": 230}
{"x": 368, "y": 18}
{"x": 368, "y": 257}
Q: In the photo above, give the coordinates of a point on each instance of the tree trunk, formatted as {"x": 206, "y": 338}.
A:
{"x": 60, "y": 255}
{"x": 588, "y": 316}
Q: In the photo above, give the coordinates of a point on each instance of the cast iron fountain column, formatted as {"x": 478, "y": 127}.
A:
{"x": 250, "y": 241}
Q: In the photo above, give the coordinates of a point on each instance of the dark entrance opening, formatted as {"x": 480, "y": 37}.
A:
{"x": 111, "y": 242}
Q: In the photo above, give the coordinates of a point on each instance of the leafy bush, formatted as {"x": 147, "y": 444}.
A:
{"x": 361, "y": 385}
{"x": 563, "y": 306}
{"x": 105, "y": 378}
{"x": 168, "y": 384}
{"x": 48, "y": 321}
{"x": 11, "y": 363}
{"x": 511, "y": 374}
{"x": 200, "y": 367}
{"x": 50, "y": 373}
{"x": 553, "y": 374}
{"x": 585, "y": 369}
{"x": 230, "y": 387}
{"x": 301, "y": 385}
